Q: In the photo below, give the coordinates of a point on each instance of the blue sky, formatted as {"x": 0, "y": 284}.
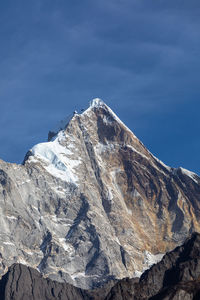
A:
{"x": 141, "y": 57}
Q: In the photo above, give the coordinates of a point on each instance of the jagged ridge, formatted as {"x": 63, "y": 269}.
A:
{"x": 175, "y": 277}
{"x": 94, "y": 204}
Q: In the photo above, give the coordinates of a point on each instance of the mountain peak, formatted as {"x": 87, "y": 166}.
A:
{"x": 93, "y": 203}
{"x": 100, "y": 108}
{"x": 97, "y": 102}
{"x": 96, "y": 105}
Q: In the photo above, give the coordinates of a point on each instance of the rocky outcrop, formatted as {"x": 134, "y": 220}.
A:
{"x": 25, "y": 283}
{"x": 177, "y": 276}
{"x": 93, "y": 204}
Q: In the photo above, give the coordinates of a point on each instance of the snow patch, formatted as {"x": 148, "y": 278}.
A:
{"x": 190, "y": 174}
{"x": 162, "y": 163}
{"x": 134, "y": 150}
{"x": 114, "y": 175}
{"x": 117, "y": 240}
{"x": 129, "y": 211}
{"x": 11, "y": 217}
{"x": 23, "y": 182}
{"x": 137, "y": 274}
{"x": 28, "y": 252}
{"x": 151, "y": 259}
{"x": 109, "y": 194}
{"x": 22, "y": 261}
{"x": 78, "y": 274}
{"x": 107, "y": 121}
{"x": 100, "y": 148}
{"x": 8, "y": 243}
{"x": 97, "y": 102}
{"x": 58, "y": 159}
{"x": 57, "y": 220}
{"x": 135, "y": 193}
{"x": 65, "y": 246}
{"x": 32, "y": 206}
{"x": 82, "y": 274}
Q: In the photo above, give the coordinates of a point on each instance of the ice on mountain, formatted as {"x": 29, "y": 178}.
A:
{"x": 56, "y": 157}
{"x": 8, "y": 243}
{"x": 162, "y": 163}
{"x": 134, "y": 150}
{"x": 190, "y": 174}
{"x": 96, "y": 102}
{"x": 151, "y": 259}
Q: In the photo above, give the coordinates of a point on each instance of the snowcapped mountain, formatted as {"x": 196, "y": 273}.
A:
{"x": 93, "y": 204}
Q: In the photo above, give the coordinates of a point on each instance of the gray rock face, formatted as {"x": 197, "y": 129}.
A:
{"x": 24, "y": 283}
{"x": 93, "y": 204}
{"x": 175, "y": 277}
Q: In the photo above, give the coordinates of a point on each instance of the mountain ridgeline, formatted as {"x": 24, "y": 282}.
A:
{"x": 175, "y": 277}
{"x": 93, "y": 205}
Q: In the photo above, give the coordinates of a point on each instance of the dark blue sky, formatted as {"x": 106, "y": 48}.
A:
{"x": 141, "y": 57}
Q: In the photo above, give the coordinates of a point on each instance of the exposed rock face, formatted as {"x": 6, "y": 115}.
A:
{"x": 25, "y": 283}
{"x": 176, "y": 277}
{"x": 93, "y": 204}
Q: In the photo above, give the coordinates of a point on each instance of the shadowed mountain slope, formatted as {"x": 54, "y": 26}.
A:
{"x": 176, "y": 277}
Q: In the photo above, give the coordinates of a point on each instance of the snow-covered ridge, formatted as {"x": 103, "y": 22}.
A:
{"x": 58, "y": 160}
{"x": 97, "y": 102}
{"x": 162, "y": 163}
{"x": 190, "y": 174}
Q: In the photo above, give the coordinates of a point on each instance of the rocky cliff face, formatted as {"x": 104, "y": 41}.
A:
{"x": 176, "y": 277}
{"x": 25, "y": 283}
{"x": 93, "y": 204}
